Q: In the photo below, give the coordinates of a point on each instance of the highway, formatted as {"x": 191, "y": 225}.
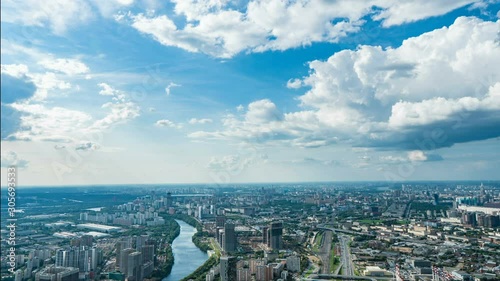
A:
{"x": 342, "y": 230}
{"x": 317, "y": 277}
{"x": 346, "y": 259}
{"x": 347, "y": 265}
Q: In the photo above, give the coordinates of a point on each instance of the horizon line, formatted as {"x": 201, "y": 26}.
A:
{"x": 247, "y": 183}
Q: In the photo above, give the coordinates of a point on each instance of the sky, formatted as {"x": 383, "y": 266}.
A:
{"x": 219, "y": 91}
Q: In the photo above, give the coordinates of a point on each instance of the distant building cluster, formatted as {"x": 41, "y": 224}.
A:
{"x": 404, "y": 232}
{"x": 145, "y": 217}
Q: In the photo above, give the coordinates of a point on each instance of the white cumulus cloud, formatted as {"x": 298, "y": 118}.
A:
{"x": 58, "y": 15}
{"x": 42, "y": 122}
{"x": 66, "y": 66}
{"x": 194, "y": 121}
{"x": 222, "y": 29}
{"x": 167, "y": 123}
{"x": 294, "y": 83}
{"x": 405, "y": 98}
{"x": 15, "y": 70}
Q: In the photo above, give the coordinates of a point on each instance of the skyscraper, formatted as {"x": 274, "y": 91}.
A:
{"x": 84, "y": 260}
{"x": 265, "y": 234}
{"x": 169, "y": 200}
{"x": 68, "y": 257}
{"x": 436, "y": 199}
{"x": 95, "y": 257}
{"x": 134, "y": 267}
{"x": 229, "y": 241}
{"x": 220, "y": 221}
{"x": 228, "y": 268}
{"x": 124, "y": 260}
{"x": 119, "y": 246}
{"x": 88, "y": 259}
{"x": 61, "y": 259}
{"x": 275, "y": 235}
{"x": 148, "y": 252}
{"x": 141, "y": 241}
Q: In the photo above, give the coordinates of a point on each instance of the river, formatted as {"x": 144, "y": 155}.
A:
{"x": 187, "y": 257}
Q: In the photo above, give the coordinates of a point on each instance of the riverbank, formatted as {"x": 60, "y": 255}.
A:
{"x": 164, "y": 251}
{"x": 200, "y": 273}
{"x": 188, "y": 257}
{"x": 200, "y": 238}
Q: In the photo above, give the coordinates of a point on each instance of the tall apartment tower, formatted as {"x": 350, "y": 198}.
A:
{"x": 85, "y": 259}
{"x": 275, "y": 236}
{"x": 148, "y": 252}
{"x": 134, "y": 267}
{"x": 220, "y": 221}
{"x": 169, "y": 200}
{"x": 68, "y": 257}
{"x": 229, "y": 240}
{"x": 141, "y": 241}
{"x": 227, "y": 268}
{"x": 124, "y": 260}
{"x": 119, "y": 246}
{"x": 265, "y": 234}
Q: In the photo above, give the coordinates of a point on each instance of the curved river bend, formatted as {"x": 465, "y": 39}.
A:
{"x": 187, "y": 257}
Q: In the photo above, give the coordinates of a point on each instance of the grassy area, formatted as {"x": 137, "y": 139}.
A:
{"x": 334, "y": 259}
{"x": 334, "y": 262}
{"x": 234, "y": 216}
{"x": 370, "y": 221}
{"x": 215, "y": 246}
{"x": 318, "y": 240}
{"x": 424, "y": 206}
{"x": 309, "y": 272}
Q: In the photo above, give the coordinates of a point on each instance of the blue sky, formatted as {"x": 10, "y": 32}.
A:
{"x": 220, "y": 91}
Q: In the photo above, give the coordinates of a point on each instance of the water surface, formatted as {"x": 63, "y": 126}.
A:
{"x": 187, "y": 257}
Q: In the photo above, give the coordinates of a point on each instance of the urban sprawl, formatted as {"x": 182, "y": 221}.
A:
{"x": 325, "y": 231}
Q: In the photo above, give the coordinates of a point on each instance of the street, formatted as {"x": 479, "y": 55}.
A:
{"x": 347, "y": 265}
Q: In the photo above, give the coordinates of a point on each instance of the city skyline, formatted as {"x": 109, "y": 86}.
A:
{"x": 403, "y": 232}
{"x": 220, "y": 92}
